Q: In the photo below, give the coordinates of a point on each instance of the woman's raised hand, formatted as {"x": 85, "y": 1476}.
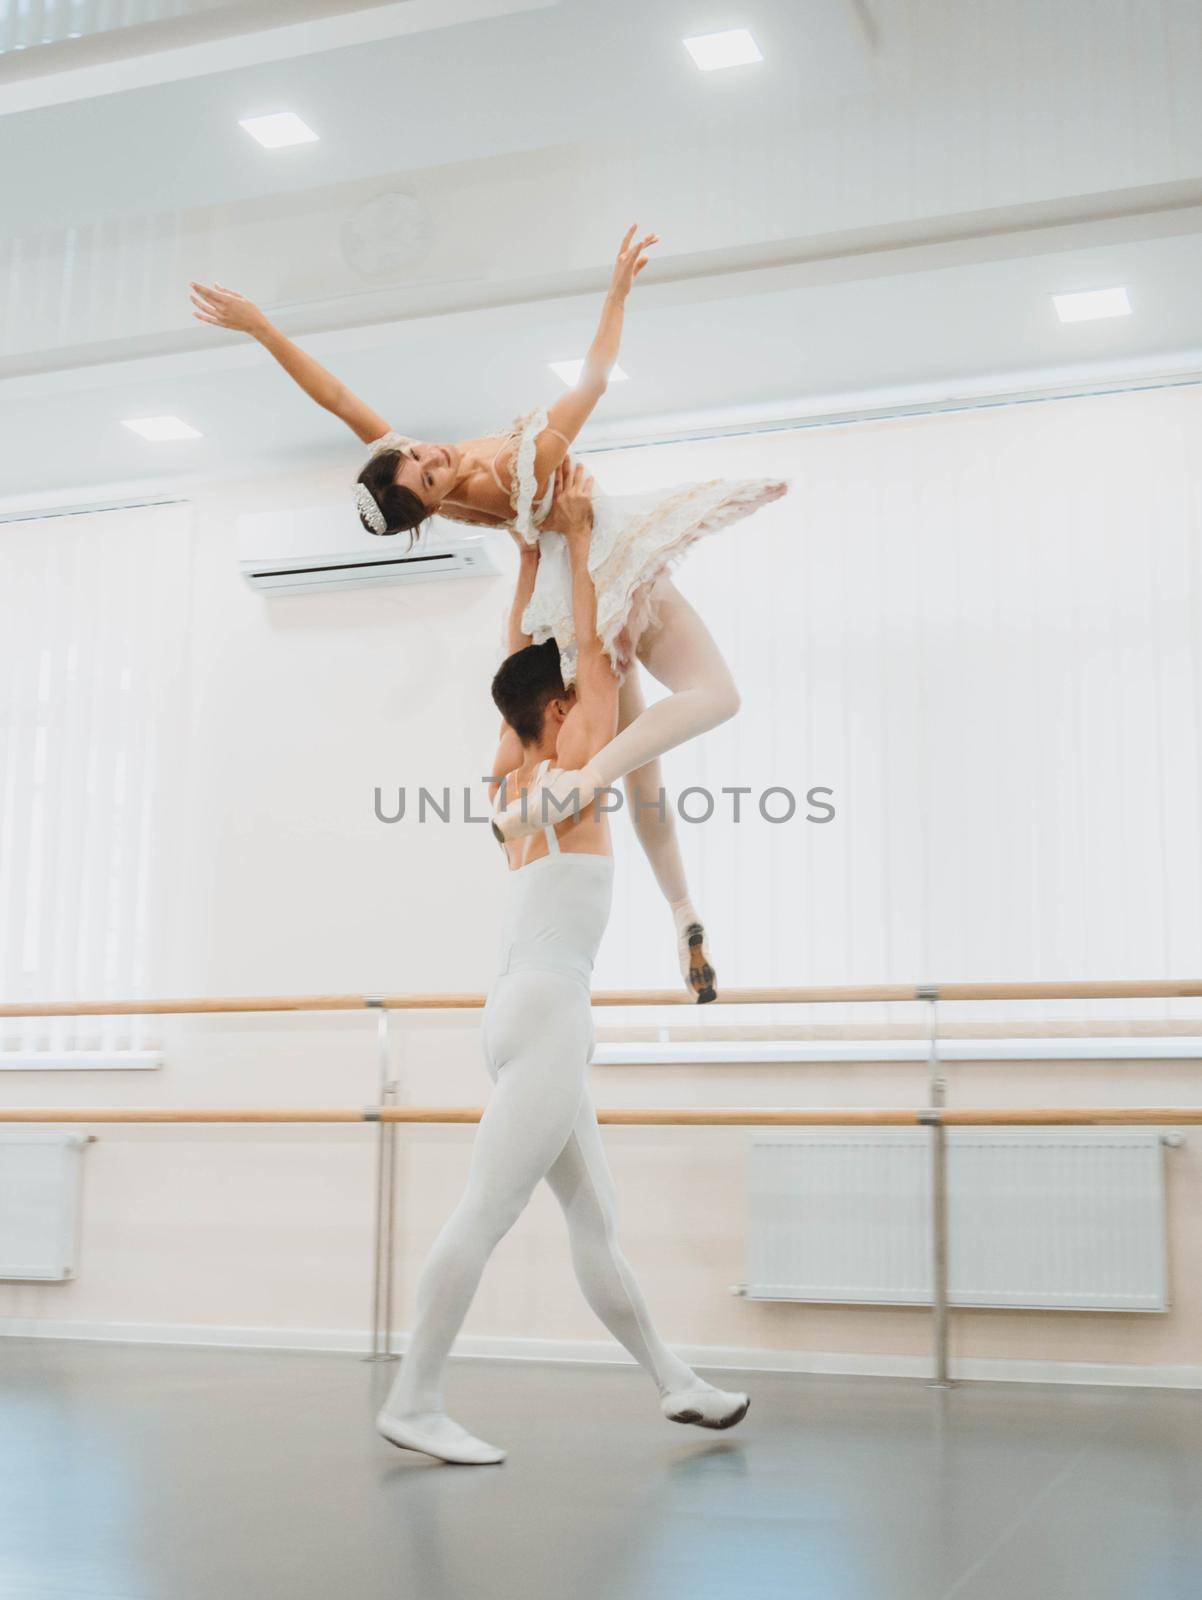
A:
{"x": 632, "y": 258}
{"x": 226, "y": 308}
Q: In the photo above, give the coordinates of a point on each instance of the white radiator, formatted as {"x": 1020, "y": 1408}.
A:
{"x": 1064, "y": 1219}
{"x": 40, "y": 1179}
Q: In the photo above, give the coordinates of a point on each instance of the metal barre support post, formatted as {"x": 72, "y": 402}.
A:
{"x": 936, "y": 1101}
{"x": 384, "y": 1229}
{"x": 939, "y": 1224}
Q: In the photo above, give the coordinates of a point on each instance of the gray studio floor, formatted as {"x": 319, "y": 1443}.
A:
{"x": 145, "y": 1473}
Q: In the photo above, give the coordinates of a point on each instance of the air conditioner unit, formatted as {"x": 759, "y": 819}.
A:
{"x": 326, "y": 547}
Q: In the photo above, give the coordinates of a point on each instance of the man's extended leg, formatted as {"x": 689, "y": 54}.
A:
{"x": 584, "y": 1187}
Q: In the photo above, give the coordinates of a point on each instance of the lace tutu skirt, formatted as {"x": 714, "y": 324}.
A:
{"x": 637, "y": 539}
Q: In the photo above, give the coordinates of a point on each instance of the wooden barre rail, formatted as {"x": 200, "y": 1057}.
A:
{"x": 641, "y": 1116}
{"x": 1086, "y": 989}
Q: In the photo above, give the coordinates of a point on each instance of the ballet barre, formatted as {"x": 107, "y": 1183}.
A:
{"x": 828, "y": 994}
{"x": 387, "y": 1114}
{"x": 642, "y": 1116}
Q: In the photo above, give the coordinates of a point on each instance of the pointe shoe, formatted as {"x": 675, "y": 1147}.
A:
{"x": 435, "y": 1434}
{"x": 554, "y": 798}
{"x": 695, "y": 967}
{"x": 705, "y": 1408}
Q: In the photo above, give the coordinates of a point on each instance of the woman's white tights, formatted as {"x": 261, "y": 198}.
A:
{"x": 539, "y": 1123}
{"x": 679, "y": 651}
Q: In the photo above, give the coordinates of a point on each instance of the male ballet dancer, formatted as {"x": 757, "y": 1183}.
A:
{"x": 538, "y": 1040}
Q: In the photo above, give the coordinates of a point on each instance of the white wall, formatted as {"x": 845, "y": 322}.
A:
{"x": 977, "y": 629}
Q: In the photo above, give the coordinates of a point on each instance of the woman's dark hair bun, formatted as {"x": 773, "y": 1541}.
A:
{"x": 402, "y": 510}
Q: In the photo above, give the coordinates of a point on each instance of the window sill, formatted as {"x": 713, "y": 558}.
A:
{"x": 80, "y": 1060}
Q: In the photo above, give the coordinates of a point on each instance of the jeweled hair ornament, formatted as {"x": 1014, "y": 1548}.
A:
{"x": 369, "y": 509}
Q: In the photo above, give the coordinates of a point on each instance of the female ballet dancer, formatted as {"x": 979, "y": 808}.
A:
{"x": 538, "y": 1039}
{"x": 509, "y": 480}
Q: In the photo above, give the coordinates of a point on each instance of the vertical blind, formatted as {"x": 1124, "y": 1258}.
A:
{"x": 981, "y": 630}
{"x": 93, "y": 621}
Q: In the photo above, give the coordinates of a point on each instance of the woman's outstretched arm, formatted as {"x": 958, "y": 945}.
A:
{"x": 572, "y": 410}
{"x": 226, "y": 308}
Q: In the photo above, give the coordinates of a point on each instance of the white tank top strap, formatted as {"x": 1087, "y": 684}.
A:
{"x": 549, "y": 833}
{"x": 505, "y": 798}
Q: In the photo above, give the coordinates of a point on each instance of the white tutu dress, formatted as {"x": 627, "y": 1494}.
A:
{"x": 636, "y": 539}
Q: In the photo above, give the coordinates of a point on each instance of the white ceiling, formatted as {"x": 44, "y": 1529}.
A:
{"x": 542, "y": 73}
{"x": 885, "y": 204}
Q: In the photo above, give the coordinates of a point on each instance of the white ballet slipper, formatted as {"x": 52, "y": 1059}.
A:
{"x": 695, "y": 966}
{"x": 436, "y": 1434}
{"x": 705, "y": 1408}
{"x": 554, "y": 798}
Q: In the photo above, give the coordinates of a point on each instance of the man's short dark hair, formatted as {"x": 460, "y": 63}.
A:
{"x": 525, "y": 684}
